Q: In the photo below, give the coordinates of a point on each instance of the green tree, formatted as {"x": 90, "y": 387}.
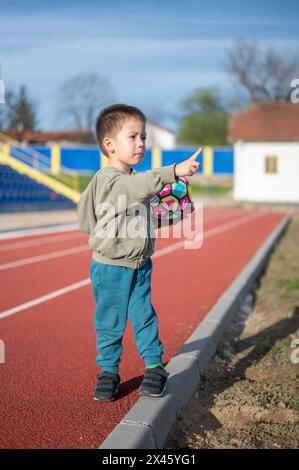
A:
{"x": 205, "y": 119}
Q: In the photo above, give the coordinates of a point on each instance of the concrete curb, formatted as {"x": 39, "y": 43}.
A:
{"x": 147, "y": 424}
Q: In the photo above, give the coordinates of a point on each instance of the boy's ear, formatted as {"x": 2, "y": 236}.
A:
{"x": 108, "y": 144}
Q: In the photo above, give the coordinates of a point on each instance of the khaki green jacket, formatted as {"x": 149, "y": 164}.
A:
{"x": 115, "y": 211}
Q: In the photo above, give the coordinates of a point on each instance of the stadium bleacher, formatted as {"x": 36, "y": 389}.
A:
{"x": 18, "y": 192}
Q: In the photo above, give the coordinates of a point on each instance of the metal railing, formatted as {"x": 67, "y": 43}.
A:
{"x": 40, "y": 162}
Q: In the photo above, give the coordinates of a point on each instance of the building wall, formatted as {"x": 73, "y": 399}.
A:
{"x": 252, "y": 183}
{"x": 157, "y": 136}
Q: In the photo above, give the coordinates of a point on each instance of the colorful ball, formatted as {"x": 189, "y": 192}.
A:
{"x": 173, "y": 201}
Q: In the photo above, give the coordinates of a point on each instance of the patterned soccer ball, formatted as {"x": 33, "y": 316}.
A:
{"x": 173, "y": 201}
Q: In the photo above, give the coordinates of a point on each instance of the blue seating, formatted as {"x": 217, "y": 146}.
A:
{"x": 20, "y": 193}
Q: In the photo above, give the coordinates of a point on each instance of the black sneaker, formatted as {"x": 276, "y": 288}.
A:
{"x": 154, "y": 382}
{"x": 107, "y": 386}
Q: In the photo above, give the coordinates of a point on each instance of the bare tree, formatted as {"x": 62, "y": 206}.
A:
{"x": 81, "y": 97}
{"x": 20, "y": 111}
{"x": 262, "y": 75}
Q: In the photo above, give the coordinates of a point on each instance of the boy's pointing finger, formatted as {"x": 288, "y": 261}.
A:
{"x": 195, "y": 155}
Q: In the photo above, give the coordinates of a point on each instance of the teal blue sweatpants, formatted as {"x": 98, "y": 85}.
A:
{"x": 120, "y": 294}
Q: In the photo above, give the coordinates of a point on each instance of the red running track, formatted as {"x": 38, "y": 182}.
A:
{"x": 49, "y": 374}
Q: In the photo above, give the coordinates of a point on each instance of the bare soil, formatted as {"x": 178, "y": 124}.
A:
{"x": 249, "y": 394}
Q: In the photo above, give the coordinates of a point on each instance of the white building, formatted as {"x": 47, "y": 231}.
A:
{"x": 160, "y": 136}
{"x": 266, "y": 153}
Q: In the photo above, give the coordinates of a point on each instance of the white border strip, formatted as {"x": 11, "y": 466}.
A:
{"x": 45, "y": 298}
{"x": 38, "y": 230}
{"x": 40, "y": 241}
{"x": 45, "y": 257}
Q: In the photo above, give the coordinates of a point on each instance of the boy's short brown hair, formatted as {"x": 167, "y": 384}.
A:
{"x": 111, "y": 119}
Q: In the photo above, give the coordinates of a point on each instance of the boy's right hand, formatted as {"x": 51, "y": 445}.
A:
{"x": 188, "y": 167}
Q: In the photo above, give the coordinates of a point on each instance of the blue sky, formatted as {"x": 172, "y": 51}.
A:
{"x": 154, "y": 52}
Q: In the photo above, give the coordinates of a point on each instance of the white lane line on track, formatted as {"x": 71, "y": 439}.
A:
{"x": 45, "y": 298}
{"x": 206, "y": 234}
{"x": 77, "y": 249}
{"x": 85, "y": 282}
{"x": 38, "y": 231}
{"x": 37, "y": 259}
{"x": 210, "y": 217}
{"x": 40, "y": 241}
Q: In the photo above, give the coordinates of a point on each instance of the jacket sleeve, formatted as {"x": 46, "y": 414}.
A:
{"x": 141, "y": 186}
{"x": 86, "y": 210}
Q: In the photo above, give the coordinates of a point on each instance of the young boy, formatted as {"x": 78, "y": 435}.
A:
{"x": 121, "y": 264}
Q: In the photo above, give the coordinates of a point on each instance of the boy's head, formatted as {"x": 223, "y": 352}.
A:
{"x": 120, "y": 132}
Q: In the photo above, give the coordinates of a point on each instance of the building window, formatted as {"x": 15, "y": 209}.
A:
{"x": 271, "y": 164}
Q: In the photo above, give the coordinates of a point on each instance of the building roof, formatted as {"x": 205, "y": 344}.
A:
{"x": 43, "y": 137}
{"x": 266, "y": 122}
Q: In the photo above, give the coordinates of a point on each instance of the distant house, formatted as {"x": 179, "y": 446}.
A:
{"x": 159, "y": 136}
{"x": 64, "y": 138}
{"x": 266, "y": 153}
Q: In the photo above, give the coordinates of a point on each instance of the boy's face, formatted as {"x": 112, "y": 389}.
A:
{"x": 127, "y": 146}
